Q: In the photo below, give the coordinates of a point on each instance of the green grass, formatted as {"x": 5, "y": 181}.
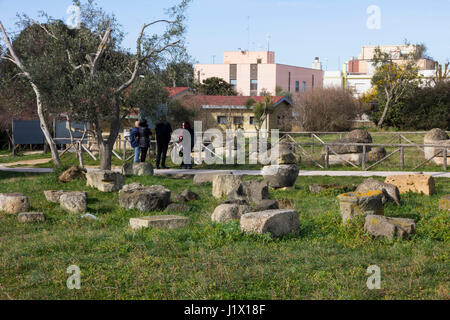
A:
{"x": 216, "y": 261}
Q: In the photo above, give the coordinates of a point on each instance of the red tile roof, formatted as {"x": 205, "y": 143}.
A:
{"x": 230, "y": 100}
{"x": 176, "y": 91}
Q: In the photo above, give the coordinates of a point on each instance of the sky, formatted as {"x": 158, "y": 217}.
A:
{"x": 297, "y": 30}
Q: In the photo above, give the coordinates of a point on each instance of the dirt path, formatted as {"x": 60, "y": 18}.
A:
{"x": 26, "y": 162}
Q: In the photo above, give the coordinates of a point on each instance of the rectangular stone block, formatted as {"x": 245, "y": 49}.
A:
{"x": 276, "y": 222}
{"x": 416, "y": 183}
{"x": 166, "y": 222}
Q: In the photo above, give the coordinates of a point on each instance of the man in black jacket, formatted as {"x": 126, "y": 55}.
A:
{"x": 163, "y": 132}
{"x": 144, "y": 138}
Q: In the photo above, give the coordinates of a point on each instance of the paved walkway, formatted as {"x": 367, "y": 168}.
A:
{"x": 253, "y": 172}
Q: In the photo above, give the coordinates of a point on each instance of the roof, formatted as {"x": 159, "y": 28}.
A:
{"x": 175, "y": 91}
{"x": 234, "y": 102}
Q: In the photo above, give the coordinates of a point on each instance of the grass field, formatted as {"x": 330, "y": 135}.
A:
{"x": 216, "y": 261}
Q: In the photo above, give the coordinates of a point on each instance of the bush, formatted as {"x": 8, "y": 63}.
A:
{"x": 327, "y": 109}
{"x": 423, "y": 109}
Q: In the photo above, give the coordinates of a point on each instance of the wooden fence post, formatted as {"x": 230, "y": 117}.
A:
{"x": 327, "y": 157}
{"x": 402, "y": 158}
{"x": 445, "y": 159}
{"x": 363, "y": 161}
{"x": 312, "y": 146}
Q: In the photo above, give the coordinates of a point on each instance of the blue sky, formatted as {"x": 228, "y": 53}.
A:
{"x": 300, "y": 30}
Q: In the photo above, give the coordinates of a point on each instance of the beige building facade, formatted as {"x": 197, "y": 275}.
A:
{"x": 252, "y": 72}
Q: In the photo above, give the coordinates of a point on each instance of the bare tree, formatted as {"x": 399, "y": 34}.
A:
{"x": 12, "y": 57}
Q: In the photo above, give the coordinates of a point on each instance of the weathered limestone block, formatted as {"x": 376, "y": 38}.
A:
{"x": 55, "y": 195}
{"x": 280, "y": 176}
{"x": 416, "y": 183}
{"x": 264, "y": 205}
{"x": 222, "y": 184}
{"x": 31, "y": 217}
{"x": 253, "y": 191}
{"x": 276, "y": 222}
{"x": 201, "y": 178}
{"x": 105, "y": 181}
{"x": 437, "y": 137}
{"x": 355, "y": 158}
{"x": 355, "y": 203}
{"x": 186, "y": 196}
{"x": 145, "y": 198}
{"x": 227, "y": 212}
{"x": 14, "y": 203}
{"x": 164, "y": 222}
{"x": 390, "y": 192}
{"x": 376, "y": 154}
{"x": 137, "y": 169}
{"x": 75, "y": 202}
{"x": 389, "y": 228}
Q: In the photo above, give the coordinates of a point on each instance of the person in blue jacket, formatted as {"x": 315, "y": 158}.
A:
{"x": 134, "y": 141}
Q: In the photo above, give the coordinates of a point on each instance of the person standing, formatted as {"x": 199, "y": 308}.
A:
{"x": 163, "y": 132}
{"x": 144, "y": 139}
{"x": 134, "y": 141}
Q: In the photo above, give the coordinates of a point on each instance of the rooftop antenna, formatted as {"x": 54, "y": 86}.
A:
{"x": 248, "y": 29}
{"x": 214, "y": 59}
{"x": 268, "y": 42}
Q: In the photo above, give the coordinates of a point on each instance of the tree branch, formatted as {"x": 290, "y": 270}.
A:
{"x": 45, "y": 29}
{"x": 101, "y": 48}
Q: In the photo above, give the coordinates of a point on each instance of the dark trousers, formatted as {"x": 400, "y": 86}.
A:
{"x": 144, "y": 152}
{"x": 162, "y": 154}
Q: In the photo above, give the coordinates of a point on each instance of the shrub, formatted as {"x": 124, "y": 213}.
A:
{"x": 423, "y": 109}
{"x": 327, "y": 109}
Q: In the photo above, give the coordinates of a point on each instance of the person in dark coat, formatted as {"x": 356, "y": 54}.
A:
{"x": 144, "y": 139}
{"x": 134, "y": 141}
{"x": 163, "y": 132}
{"x": 187, "y": 126}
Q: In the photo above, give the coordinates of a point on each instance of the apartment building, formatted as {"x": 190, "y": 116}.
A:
{"x": 252, "y": 72}
{"x": 357, "y": 73}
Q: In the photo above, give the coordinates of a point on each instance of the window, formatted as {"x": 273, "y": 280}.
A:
{"x": 253, "y": 87}
{"x": 297, "y": 86}
{"x": 258, "y": 61}
{"x": 289, "y": 82}
{"x": 233, "y": 76}
{"x": 233, "y": 83}
{"x": 252, "y": 120}
{"x": 238, "y": 120}
{"x": 304, "y": 86}
{"x": 222, "y": 120}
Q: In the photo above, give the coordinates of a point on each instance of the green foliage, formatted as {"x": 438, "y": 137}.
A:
{"x": 178, "y": 113}
{"x": 178, "y": 74}
{"x": 261, "y": 109}
{"x": 394, "y": 81}
{"x": 215, "y": 86}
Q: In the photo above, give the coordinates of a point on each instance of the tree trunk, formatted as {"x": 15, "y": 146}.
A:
{"x": 44, "y": 127}
{"x": 106, "y": 146}
{"x": 105, "y": 154}
{"x": 383, "y": 117}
